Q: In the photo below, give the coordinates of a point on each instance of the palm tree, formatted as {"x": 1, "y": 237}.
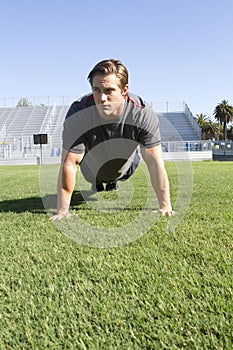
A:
{"x": 224, "y": 114}
{"x": 24, "y": 102}
{"x": 209, "y": 128}
{"x": 201, "y": 119}
{"x": 230, "y": 133}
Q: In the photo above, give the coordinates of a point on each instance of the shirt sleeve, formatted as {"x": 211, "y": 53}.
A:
{"x": 74, "y": 108}
{"x": 149, "y": 131}
{"x": 73, "y": 142}
{"x": 74, "y": 130}
{"x": 82, "y": 103}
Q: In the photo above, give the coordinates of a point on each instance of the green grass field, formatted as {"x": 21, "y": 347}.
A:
{"x": 161, "y": 291}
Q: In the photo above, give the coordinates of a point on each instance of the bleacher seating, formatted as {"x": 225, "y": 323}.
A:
{"x": 175, "y": 126}
{"x": 37, "y": 118}
{"x": 6, "y": 114}
{"x": 54, "y": 125}
{"x": 17, "y": 126}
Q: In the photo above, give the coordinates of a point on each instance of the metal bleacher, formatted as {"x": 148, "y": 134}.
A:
{"x": 54, "y": 125}
{"x": 175, "y": 126}
{"x": 19, "y": 124}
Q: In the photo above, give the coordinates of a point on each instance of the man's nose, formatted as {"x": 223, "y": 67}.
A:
{"x": 103, "y": 97}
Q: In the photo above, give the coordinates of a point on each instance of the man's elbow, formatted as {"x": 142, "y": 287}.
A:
{"x": 152, "y": 156}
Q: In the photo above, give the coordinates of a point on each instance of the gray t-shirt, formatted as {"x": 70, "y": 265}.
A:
{"x": 110, "y": 145}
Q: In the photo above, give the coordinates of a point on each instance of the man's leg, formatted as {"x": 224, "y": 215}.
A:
{"x": 96, "y": 186}
{"x": 132, "y": 168}
{"x": 114, "y": 185}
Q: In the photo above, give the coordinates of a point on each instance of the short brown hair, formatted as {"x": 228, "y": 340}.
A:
{"x": 110, "y": 66}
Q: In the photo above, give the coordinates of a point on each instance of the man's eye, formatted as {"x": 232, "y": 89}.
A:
{"x": 109, "y": 91}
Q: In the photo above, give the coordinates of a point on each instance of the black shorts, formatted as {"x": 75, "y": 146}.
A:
{"x": 93, "y": 178}
{"x": 132, "y": 168}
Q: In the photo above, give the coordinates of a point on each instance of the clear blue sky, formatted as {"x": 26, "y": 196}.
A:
{"x": 174, "y": 50}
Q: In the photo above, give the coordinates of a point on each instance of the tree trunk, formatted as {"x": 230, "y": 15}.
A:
{"x": 225, "y": 130}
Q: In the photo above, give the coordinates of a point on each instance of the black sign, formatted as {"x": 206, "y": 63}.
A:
{"x": 41, "y": 139}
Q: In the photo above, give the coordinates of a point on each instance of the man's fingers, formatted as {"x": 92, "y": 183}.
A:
{"x": 164, "y": 212}
{"x": 60, "y": 216}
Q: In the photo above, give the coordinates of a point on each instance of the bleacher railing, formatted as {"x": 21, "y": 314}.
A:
{"x": 192, "y": 120}
{"x": 23, "y": 147}
{"x": 10, "y": 102}
{"x": 159, "y": 106}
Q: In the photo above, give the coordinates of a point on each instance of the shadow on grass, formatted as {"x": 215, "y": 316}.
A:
{"x": 39, "y": 205}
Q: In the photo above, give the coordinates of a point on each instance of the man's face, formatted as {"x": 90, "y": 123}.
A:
{"x": 108, "y": 96}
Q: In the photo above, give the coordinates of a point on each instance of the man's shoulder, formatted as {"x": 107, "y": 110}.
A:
{"x": 83, "y": 102}
{"x": 139, "y": 109}
{"x": 137, "y": 101}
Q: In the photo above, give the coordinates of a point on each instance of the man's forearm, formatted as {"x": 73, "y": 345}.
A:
{"x": 159, "y": 178}
{"x": 63, "y": 201}
{"x": 160, "y": 183}
{"x": 65, "y": 188}
{"x": 66, "y": 183}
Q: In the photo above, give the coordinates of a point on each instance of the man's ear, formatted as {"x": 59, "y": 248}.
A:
{"x": 125, "y": 90}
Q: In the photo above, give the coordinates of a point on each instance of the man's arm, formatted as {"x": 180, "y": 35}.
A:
{"x": 159, "y": 179}
{"x": 66, "y": 183}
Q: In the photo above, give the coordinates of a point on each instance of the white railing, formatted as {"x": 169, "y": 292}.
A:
{"x": 10, "y": 102}
{"x": 159, "y": 106}
{"x": 192, "y": 120}
{"x": 24, "y": 147}
{"x": 168, "y": 106}
{"x": 187, "y": 146}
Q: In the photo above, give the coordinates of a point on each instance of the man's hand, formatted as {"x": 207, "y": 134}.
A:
{"x": 65, "y": 183}
{"x": 159, "y": 179}
{"x": 60, "y": 216}
{"x": 164, "y": 212}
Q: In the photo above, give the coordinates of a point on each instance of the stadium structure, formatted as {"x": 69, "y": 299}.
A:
{"x": 18, "y": 125}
